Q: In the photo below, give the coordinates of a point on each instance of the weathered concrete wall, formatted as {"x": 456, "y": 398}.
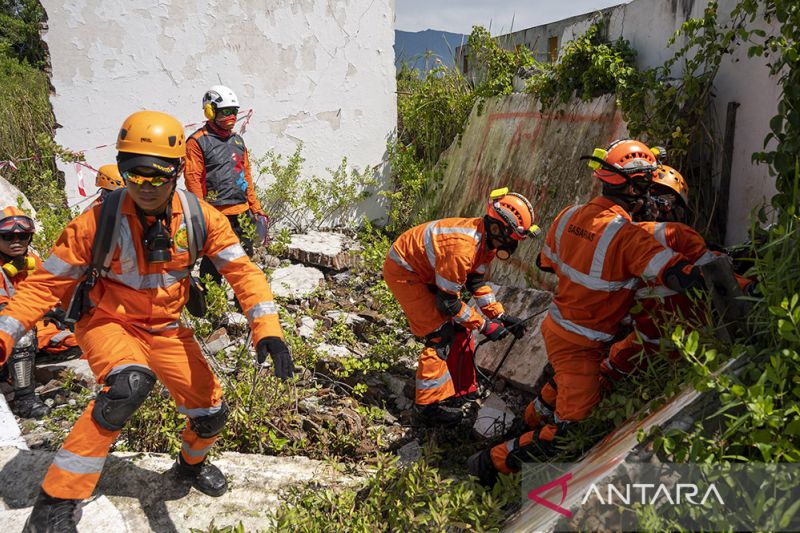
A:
{"x": 511, "y": 142}
{"x": 648, "y": 25}
{"x": 321, "y": 73}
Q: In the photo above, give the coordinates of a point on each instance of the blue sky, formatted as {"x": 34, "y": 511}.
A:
{"x": 459, "y": 16}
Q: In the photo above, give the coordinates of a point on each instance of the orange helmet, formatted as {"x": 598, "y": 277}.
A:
{"x": 151, "y": 139}
{"x": 109, "y": 178}
{"x": 514, "y": 211}
{"x": 669, "y": 177}
{"x": 624, "y": 159}
{"x": 14, "y": 220}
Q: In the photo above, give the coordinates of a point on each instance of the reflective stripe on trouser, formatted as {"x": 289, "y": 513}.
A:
{"x": 542, "y": 408}
{"x": 577, "y": 392}
{"x": 53, "y": 340}
{"x": 434, "y": 383}
{"x": 177, "y": 361}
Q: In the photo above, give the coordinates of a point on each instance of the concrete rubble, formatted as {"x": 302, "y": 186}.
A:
{"x": 494, "y": 418}
{"x": 295, "y": 281}
{"x": 527, "y": 358}
{"x": 139, "y": 493}
{"x": 323, "y": 249}
{"x": 215, "y": 342}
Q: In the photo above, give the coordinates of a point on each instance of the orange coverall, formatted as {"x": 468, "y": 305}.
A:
{"x": 50, "y": 338}
{"x": 438, "y": 256}
{"x": 135, "y": 321}
{"x": 656, "y": 303}
{"x": 599, "y": 256}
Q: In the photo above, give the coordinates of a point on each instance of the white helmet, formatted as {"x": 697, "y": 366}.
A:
{"x": 216, "y": 97}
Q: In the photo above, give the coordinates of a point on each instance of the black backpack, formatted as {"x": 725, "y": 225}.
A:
{"x": 107, "y": 237}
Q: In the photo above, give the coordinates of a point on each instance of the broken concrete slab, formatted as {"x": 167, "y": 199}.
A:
{"x": 332, "y": 352}
{"x": 307, "y": 327}
{"x": 295, "y": 281}
{"x": 10, "y": 434}
{"x": 327, "y": 250}
{"x": 216, "y": 342}
{"x": 97, "y": 514}
{"x": 524, "y": 363}
{"x": 148, "y": 498}
{"x": 57, "y": 370}
{"x": 494, "y": 418}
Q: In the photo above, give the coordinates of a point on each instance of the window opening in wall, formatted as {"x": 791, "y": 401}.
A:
{"x": 552, "y": 49}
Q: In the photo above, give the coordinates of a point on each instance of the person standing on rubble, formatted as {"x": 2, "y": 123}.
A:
{"x": 599, "y": 256}
{"x": 427, "y": 268}
{"x": 218, "y": 168}
{"x": 48, "y": 336}
{"x": 130, "y": 328}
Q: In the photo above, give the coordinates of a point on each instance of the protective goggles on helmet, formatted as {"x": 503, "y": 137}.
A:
{"x": 227, "y": 111}
{"x": 17, "y": 224}
{"x": 155, "y": 181}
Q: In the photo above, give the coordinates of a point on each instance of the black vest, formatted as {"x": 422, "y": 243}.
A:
{"x": 224, "y": 164}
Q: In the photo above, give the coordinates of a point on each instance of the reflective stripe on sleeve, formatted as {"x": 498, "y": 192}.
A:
{"x": 60, "y": 336}
{"x": 464, "y": 315}
{"x": 660, "y": 233}
{"x": 481, "y": 269}
{"x": 394, "y": 256}
{"x": 60, "y": 268}
{"x": 12, "y": 326}
{"x": 706, "y": 258}
{"x": 446, "y": 284}
{"x": 657, "y": 263}
{"x": 483, "y": 301}
{"x": 228, "y": 254}
{"x": 262, "y": 309}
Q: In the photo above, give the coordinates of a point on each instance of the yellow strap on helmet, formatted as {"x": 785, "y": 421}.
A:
{"x": 599, "y": 153}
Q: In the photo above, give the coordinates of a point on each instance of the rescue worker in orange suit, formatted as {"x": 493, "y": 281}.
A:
{"x": 218, "y": 167}
{"x": 655, "y": 303}
{"x": 131, "y": 330}
{"x": 427, "y": 268}
{"x": 16, "y": 231}
{"x": 108, "y": 179}
{"x": 599, "y": 256}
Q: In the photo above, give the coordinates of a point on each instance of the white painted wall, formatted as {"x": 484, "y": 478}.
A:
{"x": 317, "y": 72}
{"x": 648, "y": 25}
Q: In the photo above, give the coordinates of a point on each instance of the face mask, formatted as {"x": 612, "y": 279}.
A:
{"x": 158, "y": 243}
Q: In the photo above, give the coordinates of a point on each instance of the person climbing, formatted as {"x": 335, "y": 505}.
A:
{"x": 599, "y": 255}
{"x": 218, "y": 168}
{"x": 429, "y": 266}
{"x": 130, "y": 327}
{"x": 18, "y": 261}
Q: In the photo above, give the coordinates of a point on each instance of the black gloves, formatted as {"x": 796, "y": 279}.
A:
{"x": 281, "y": 358}
{"x": 57, "y": 317}
{"x": 514, "y": 324}
{"x": 493, "y": 330}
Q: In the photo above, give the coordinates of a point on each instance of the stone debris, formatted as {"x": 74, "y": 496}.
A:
{"x": 409, "y": 453}
{"x": 494, "y": 418}
{"x": 216, "y": 342}
{"x": 327, "y": 250}
{"x": 307, "y": 327}
{"x": 140, "y": 494}
{"x": 58, "y": 370}
{"x": 527, "y": 358}
{"x": 295, "y": 281}
{"x": 332, "y": 352}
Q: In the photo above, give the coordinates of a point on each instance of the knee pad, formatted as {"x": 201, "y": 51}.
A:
{"x": 210, "y": 425}
{"x": 128, "y": 389}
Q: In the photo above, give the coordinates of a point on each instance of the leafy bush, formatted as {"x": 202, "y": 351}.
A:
{"x": 395, "y": 498}
{"x": 303, "y": 203}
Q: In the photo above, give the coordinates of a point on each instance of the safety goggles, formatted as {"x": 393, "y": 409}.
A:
{"x": 227, "y": 111}
{"x": 155, "y": 181}
{"x": 11, "y": 237}
{"x": 18, "y": 224}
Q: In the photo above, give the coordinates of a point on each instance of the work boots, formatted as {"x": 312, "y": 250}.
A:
{"x": 437, "y": 414}
{"x": 481, "y": 466}
{"x": 52, "y": 515}
{"x": 204, "y": 476}
{"x": 26, "y": 403}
